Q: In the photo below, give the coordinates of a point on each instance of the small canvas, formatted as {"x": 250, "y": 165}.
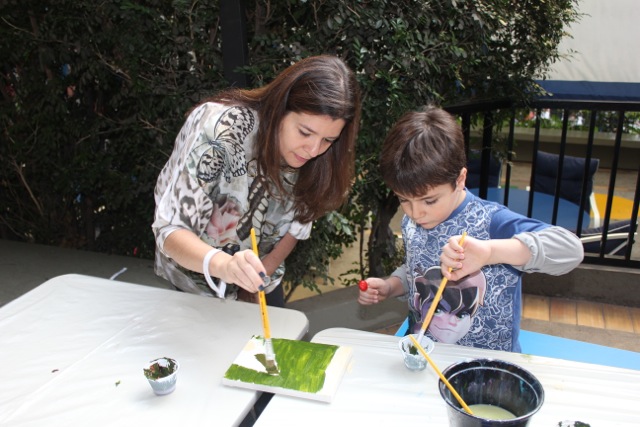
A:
{"x": 308, "y": 370}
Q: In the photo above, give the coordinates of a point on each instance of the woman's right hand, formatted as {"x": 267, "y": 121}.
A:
{"x": 242, "y": 268}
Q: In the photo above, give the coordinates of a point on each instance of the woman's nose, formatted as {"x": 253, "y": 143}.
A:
{"x": 315, "y": 147}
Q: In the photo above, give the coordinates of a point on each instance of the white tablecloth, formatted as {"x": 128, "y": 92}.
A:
{"x": 72, "y": 353}
{"x": 378, "y": 390}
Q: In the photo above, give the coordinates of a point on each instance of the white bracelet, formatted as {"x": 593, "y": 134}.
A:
{"x": 222, "y": 286}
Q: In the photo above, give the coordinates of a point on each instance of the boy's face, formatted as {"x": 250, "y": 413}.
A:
{"x": 436, "y": 205}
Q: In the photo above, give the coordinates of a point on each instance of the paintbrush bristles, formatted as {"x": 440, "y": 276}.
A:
{"x": 270, "y": 361}
{"x": 269, "y": 354}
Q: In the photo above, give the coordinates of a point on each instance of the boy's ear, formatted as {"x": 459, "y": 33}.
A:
{"x": 462, "y": 178}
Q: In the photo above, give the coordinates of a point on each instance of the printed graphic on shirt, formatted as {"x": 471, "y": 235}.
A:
{"x": 219, "y": 158}
{"x": 225, "y": 153}
{"x": 485, "y": 320}
{"x": 460, "y": 301}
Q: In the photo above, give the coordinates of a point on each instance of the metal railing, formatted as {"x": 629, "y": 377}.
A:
{"x": 603, "y": 131}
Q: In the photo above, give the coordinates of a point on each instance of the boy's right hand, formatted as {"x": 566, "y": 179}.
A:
{"x": 376, "y": 290}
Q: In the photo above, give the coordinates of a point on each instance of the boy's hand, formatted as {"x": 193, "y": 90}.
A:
{"x": 464, "y": 259}
{"x": 376, "y": 290}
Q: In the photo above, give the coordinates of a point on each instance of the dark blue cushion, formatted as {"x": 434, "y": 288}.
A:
{"x": 546, "y": 173}
{"x": 474, "y": 169}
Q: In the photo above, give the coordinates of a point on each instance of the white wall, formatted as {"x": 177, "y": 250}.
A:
{"x": 607, "y": 41}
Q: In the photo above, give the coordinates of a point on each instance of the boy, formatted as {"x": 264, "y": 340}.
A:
{"x": 423, "y": 162}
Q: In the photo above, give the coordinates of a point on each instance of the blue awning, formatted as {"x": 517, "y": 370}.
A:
{"x": 593, "y": 91}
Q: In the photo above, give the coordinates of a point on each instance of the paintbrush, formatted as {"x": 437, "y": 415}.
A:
{"x": 269, "y": 355}
{"x": 436, "y": 300}
{"x": 441, "y": 375}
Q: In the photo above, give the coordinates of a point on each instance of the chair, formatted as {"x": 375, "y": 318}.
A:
{"x": 403, "y": 329}
{"x": 474, "y": 170}
{"x": 617, "y": 238}
{"x": 571, "y": 177}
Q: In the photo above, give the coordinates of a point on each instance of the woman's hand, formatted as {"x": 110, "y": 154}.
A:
{"x": 242, "y": 268}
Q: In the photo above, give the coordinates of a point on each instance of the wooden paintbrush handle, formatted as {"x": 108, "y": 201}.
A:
{"x": 436, "y": 299}
{"x": 265, "y": 316}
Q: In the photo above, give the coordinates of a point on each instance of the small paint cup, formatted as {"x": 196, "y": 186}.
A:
{"x": 413, "y": 358}
{"x": 162, "y": 374}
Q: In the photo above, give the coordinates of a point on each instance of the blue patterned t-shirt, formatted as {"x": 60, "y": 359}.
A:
{"x": 482, "y": 309}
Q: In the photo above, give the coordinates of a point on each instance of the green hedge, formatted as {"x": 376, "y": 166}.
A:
{"x": 93, "y": 95}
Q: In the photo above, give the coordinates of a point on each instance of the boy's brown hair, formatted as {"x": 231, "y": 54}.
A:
{"x": 423, "y": 149}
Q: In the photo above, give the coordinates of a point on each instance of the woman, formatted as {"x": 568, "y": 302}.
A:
{"x": 274, "y": 159}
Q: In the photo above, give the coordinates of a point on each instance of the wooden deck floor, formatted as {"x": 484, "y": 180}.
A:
{"x": 582, "y": 313}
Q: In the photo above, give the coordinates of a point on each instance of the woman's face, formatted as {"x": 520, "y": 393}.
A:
{"x": 305, "y": 136}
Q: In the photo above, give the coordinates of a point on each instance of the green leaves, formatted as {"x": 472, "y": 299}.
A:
{"x": 81, "y": 148}
{"x": 97, "y": 94}
{"x": 406, "y": 54}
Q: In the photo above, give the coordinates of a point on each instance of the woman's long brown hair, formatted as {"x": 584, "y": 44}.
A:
{"x": 318, "y": 85}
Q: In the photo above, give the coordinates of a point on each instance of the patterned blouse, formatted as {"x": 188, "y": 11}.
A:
{"x": 210, "y": 186}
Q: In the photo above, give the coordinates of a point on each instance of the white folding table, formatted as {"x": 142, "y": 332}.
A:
{"x": 72, "y": 352}
{"x": 377, "y": 389}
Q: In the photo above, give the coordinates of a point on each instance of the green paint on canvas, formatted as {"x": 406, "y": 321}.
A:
{"x": 302, "y": 366}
